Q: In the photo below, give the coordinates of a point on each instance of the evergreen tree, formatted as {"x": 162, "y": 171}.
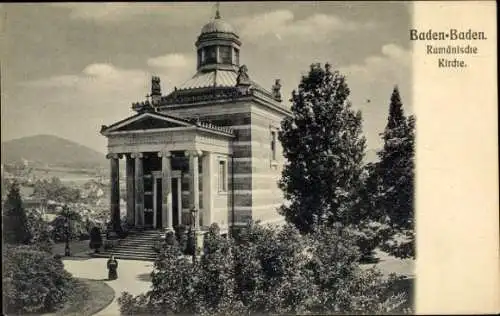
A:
{"x": 324, "y": 149}
{"x": 391, "y": 181}
{"x": 15, "y": 221}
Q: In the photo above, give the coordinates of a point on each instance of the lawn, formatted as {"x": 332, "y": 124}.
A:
{"x": 89, "y": 297}
{"x": 76, "y": 247}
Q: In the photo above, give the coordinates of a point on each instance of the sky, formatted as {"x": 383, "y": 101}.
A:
{"x": 68, "y": 68}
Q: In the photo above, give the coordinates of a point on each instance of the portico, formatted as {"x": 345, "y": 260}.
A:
{"x": 160, "y": 151}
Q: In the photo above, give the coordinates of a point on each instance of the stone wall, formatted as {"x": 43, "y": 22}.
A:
{"x": 256, "y": 193}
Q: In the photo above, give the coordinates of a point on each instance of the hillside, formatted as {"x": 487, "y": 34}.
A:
{"x": 51, "y": 151}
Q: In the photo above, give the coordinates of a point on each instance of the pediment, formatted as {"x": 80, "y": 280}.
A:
{"x": 148, "y": 123}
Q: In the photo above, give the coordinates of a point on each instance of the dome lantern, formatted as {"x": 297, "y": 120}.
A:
{"x": 218, "y": 46}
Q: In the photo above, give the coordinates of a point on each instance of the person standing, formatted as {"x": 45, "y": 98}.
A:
{"x": 112, "y": 268}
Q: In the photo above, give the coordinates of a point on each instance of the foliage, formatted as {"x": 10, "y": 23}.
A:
{"x": 55, "y": 190}
{"x": 95, "y": 239}
{"x": 369, "y": 235}
{"x": 15, "y": 221}
{"x": 389, "y": 188}
{"x": 40, "y": 230}
{"x": 324, "y": 149}
{"x": 33, "y": 281}
{"x": 266, "y": 271}
{"x": 77, "y": 229}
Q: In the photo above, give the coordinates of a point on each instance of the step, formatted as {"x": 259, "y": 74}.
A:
{"x": 130, "y": 257}
{"x": 136, "y": 245}
{"x": 133, "y": 251}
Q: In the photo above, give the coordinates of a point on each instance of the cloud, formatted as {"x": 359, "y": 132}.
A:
{"x": 116, "y": 12}
{"x": 282, "y": 26}
{"x": 76, "y": 105}
{"x": 94, "y": 78}
{"x": 173, "y": 69}
{"x": 170, "y": 61}
{"x": 393, "y": 62}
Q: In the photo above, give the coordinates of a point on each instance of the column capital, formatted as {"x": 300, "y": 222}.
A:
{"x": 136, "y": 155}
{"x": 113, "y": 156}
{"x": 193, "y": 153}
{"x": 165, "y": 153}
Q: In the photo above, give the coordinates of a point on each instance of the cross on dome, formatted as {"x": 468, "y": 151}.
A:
{"x": 217, "y": 11}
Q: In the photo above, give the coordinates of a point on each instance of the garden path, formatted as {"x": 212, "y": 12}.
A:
{"x": 133, "y": 277}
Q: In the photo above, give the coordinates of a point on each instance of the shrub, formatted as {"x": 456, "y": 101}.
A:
{"x": 33, "y": 281}
{"x": 182, "y": 237}
{"x": 369, "y": 235}
{"x": 77, "y": 228}
{"x": 95, "y": 239}
{"x": 266, "y": 271}
{"x": 40, "y": 231}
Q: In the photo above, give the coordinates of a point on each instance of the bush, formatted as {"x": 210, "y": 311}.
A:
{"x": 369, "y": 235}
{"x": 40, "y": 230}
{"x": 77, "y": 229}
{"x": 182, "y": 237}
{"x": 266, "y": 271}
{"x": 33, "y": 281}
{"x": 95, "y": 239}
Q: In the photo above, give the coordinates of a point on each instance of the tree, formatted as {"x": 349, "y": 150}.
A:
{"x": 15, "y": 221}
{"x": 390, "y": 186}
{"x": 55, "y": 190}
{"x": 77, "y": 227}
{"x": 324, "y": 149}
{"x": 266, "y": 271}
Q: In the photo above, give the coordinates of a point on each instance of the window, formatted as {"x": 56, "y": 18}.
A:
{"x": 225, "y": 54}
{"x": 273, "y": 145}
{"x": 200, "y": 57}
{"x": 236, "y": 57}
{"x": 222, "y": 187}
{"x": 210, "y": 55}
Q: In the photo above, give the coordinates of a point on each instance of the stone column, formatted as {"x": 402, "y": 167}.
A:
{"x": 208, "y": 180}
{"x": 130, "y": 191}
{"x": 166, "y": 187}
{"x": 139, "y": 190}
{"x": 115, "y": 190}
{"x": 194, "y": 184}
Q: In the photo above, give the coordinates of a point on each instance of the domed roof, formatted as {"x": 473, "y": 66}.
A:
{"x": 218, "y": 25}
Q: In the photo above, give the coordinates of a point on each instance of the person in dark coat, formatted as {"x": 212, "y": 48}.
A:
{"x": 112, "y": 268}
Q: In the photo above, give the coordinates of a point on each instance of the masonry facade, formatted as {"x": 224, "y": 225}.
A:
{"x": 210, "y": 145}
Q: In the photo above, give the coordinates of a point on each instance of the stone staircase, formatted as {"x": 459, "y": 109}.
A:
{"x": 136, "y": 246}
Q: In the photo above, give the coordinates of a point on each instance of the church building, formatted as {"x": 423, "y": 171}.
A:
{"x": 206, "y": 152}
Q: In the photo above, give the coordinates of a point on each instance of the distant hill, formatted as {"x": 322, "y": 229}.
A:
{"x": 51, "y": 151}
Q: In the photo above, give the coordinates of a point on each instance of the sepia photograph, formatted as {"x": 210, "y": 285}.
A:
{"x": 213, "y": 158}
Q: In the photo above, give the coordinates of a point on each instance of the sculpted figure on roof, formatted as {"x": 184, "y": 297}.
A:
{"x": 243, "y": 78}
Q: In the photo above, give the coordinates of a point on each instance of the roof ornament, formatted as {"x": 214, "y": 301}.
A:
{"x": 217, "y": 12}
{"x": 155, "y": 90}
{"x": 155, "y": 86}
{"x": 243, "y": 79}
{"x": 276, "y": 90}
